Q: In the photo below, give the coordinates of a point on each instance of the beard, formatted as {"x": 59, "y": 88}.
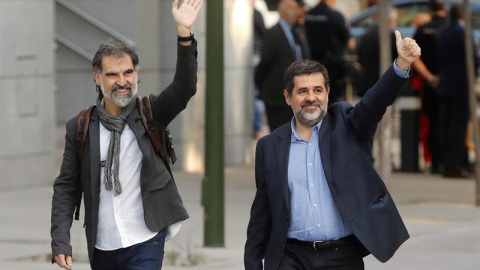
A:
{"x": 120, "y": 100}
{"x": 310, "y": 118}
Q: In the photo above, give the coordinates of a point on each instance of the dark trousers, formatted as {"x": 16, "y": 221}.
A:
{"x": 143, "y": 256}
{"x": 278, "y": 116}
{"x": 454, "y": 119}
{"x": 345, "y": 256}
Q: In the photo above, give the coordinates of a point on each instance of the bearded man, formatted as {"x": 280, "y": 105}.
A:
{"x": 132, "y": 205}
{"x": 319, "y": 202}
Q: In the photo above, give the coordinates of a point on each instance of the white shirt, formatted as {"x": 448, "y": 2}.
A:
{"x": 121, "y": 220}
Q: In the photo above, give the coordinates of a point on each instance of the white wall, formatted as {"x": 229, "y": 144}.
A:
{"x": 27, "y": 114}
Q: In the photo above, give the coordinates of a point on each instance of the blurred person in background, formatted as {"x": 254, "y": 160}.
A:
{"x": 453, "y": 94}
{"x": 368, "y": 51}
{"x": 417, "y": 84}
{"x": 328, "y": 35}
{"x": 258, "y": 105}
{"x": 427, "y": 67}
{"x": 281, "y": 46}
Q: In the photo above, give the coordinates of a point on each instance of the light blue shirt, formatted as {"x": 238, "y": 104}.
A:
{"x": 315, "y": 216}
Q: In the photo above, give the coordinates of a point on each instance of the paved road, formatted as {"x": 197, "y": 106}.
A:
{"x": 440, "y": 216}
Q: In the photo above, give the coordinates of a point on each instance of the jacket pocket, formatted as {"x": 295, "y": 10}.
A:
{"x": 159, "y": 181}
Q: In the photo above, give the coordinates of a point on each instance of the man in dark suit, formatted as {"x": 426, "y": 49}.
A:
{"x": 280, "y": 47}
{"x": 427, "y": 67}
{"x": 328, "y": 37}
{"x": 452, "y": 92}
{"x": 132, "y": 205}
{"x": 319, "y": 202}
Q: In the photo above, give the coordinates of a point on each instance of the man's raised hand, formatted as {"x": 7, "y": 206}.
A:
{"x": 185, "y": 15}
{"x": 408, "y": 50}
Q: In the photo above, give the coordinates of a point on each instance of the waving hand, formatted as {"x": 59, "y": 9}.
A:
{"x": 185, "y": 15}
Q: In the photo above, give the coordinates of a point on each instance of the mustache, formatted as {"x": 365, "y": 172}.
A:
{"x": 127, "y": 85}
{"x": 311, "y": 103}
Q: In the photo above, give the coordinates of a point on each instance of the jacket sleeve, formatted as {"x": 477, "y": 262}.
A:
{"x": 65, "y": 193}
{"x": 258, "y": 232}
{"x": 364, "y": 118}
{"x": 173, "y": 99}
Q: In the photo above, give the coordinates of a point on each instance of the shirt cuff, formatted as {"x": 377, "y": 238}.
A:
{"x": 401, "y": 73}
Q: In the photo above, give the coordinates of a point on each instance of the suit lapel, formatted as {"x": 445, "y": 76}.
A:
{"x": 325, "y": 150}
{"x": 283, "y": 151}
{"x": 136, "y": 125}
{"x": 94, "y": 135}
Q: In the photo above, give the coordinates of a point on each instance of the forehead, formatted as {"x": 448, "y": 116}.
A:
{"x": 290, "y": 3}
{"x": 305, "y": 80}
{"x": 114, "y": 62}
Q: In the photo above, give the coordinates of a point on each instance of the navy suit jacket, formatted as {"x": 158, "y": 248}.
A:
{"x": 358, "y": 191}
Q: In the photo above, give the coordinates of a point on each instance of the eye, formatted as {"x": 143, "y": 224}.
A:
{"x": 110, "y": 74}
{"x": 129, "y": 71}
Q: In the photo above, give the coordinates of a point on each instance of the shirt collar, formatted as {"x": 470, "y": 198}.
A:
{"x": 295, "y": 136}
{"x": 285, "y": 25}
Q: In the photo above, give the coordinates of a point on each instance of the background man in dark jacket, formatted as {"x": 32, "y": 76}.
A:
{"x": 280, "y": 48}
{"x": 328, "y": 36}
{"x": 427, "y": 67}
{"x": 452, "y": 92}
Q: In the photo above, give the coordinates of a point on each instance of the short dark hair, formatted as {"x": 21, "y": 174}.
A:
{"x": 456, "y": 12}
{"x": 112, "y": 48}
{"x": 304, "y": 67}
{"x": 436, "y": 5}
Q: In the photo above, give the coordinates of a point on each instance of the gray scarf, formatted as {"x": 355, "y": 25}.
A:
{"x": 115, "y": 125}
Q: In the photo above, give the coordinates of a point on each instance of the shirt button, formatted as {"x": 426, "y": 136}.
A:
{"x": 310, "y": 164}
{"x": 315, "y": 204}
{"x": 312, "y": 184}
{"x": 318, "y": 225}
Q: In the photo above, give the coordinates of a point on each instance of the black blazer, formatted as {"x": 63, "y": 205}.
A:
{"x": 162, "y": 204}
{"x": 276, "y": 56}
{"x": 358, "y": 191}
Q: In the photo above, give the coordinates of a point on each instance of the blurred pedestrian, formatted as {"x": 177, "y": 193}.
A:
{"x": 319, "y": 202}
{"x": 258, "y": 105}
{"x": 368, "y": 51}
{"x": 281, "y": 46}
{"x": 417, "y": 84}
{"x": 132, "y": 205}
{"x": 453, "y": 93}
{"x": 427, "y": 67}
{"x": 328, "y": 35}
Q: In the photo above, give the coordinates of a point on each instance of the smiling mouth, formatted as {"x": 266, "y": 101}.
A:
{"x": 122, "y": 91}
{"x": 310, "y": 107}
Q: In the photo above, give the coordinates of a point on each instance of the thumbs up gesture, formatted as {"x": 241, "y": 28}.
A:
{"x": 408, "y": 50}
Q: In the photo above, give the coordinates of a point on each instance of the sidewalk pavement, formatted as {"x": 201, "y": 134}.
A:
{"x": 440, "y": 215}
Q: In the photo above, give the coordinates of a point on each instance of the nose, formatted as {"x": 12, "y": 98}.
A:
{"x": 121, "y": 80}
{"x": 311, "y": 97}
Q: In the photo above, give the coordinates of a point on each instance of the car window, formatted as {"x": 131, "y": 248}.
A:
{"x": 407, "y": 13}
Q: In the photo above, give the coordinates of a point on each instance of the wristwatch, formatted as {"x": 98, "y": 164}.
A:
{"x": 185, "y": 39}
